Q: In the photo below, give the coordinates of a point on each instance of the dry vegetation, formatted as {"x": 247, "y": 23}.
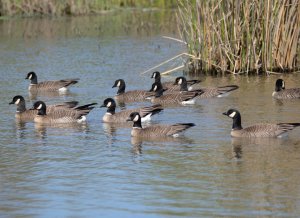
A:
{"x": 73, "y": 7}
{"x": 241, "y": 36}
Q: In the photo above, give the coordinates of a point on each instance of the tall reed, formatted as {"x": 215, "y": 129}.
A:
{"x": 241, "y": 36}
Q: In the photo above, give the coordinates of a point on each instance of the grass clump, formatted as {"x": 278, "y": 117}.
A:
{"x": 241, "y": 36}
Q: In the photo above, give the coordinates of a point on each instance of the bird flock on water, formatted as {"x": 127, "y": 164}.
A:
{"x": 178, "y": 92}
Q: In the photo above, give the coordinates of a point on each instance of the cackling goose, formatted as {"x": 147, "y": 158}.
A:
{"x": 156, "y": 130}
{"x": 73, "y": 115}
{"x": 207, "y": 92}
{"x": 258, "y": 130}
{"x": 58, "y": 85}
{"x": 129, "y": 96}
{"x": 171, "y": 86}
{"x": 118, "y": 117}
{"x": 282, "y": 93}
{"x": 23, "y": 114}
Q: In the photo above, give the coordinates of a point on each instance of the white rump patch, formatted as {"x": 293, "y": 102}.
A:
{"x": 119, "y": 83}
{"x": 146, "y": 118}
{"x": 82, "y": 119}
{"x": 190, "y": 88}
{"x": 232, "y": 115}
{"x": 30, "y": 76}
{"x": 192, "y": 101}
{"x": 136, "y": 118}
{"x": 63, "y": 89}
{"x": 180, "y": 81}
{"x": 18, "y": 101}
{"x": 40, "y": 106}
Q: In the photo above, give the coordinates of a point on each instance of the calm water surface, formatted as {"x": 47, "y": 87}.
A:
{"x": 99, "y": 170}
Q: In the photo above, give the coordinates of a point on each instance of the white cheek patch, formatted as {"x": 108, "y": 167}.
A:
{"x": 40, "y": 106}
{"x": 136, "y": 118}
{"x": 232, "y": 115}
{"x": 155, "y": 87}
{"x": 108, "y": 104}
{"x": 180, "y": 81}
{"x": 119, "y": 83}
{"x": 18, "y": 101}
{"x": 283, "y": 85}
{"x": 30, "y": 76}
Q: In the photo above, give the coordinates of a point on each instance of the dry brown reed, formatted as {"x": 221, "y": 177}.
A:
{"x": 241, "y": 36}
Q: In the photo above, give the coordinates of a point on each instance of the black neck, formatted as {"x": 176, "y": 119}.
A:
{"x": 111, "y": 110}
{"x": 157, "y": 79}
{"x": 42, "y": 111}
{"x": 21, "y": 107}
{"x": 237, "y": 122}
{"x": 278, "y": 88}
{"x": 121, "y": 89}
{"x": 34, "y": 80}
{"x": 183, "y": 86}
{"x": 159, "y": 93}
{"x": 138, "y": 123}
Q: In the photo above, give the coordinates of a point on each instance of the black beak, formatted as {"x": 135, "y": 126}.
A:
{"x": 114, "y": 86}
{"x": 128, "y": 119}
{"x": 175, "y": 83}
{"x": 11, "y": 102}
{"x": 103, "y": 105}
{"x": 225, "y": 113}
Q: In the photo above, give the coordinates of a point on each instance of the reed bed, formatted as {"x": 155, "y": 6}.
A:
{"x": 73, "y": 7}
{"x": 247, "y": 36}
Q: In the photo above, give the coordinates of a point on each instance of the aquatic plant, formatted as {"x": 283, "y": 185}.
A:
{"x": 241, "y": 36}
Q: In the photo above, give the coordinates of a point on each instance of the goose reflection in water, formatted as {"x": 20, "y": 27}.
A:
{"x": 41, "y": 129}
{"x": 239, "y": 145}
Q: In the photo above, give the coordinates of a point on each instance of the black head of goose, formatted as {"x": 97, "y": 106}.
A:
{"x": 71, "y": 115}
{"x": 111, "y": 116}
{"x": 258, "y": 130}
{"x": 159, "y": 97}
{"x": 58, "y": 85}
{"x": 282, "y": 93}
{"x": 207, "y": 92}
{"x": 129, "y": 96}
{"x": 156, "y": 130}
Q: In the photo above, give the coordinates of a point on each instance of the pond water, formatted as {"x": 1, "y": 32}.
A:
{"x": 99, "y": 170}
